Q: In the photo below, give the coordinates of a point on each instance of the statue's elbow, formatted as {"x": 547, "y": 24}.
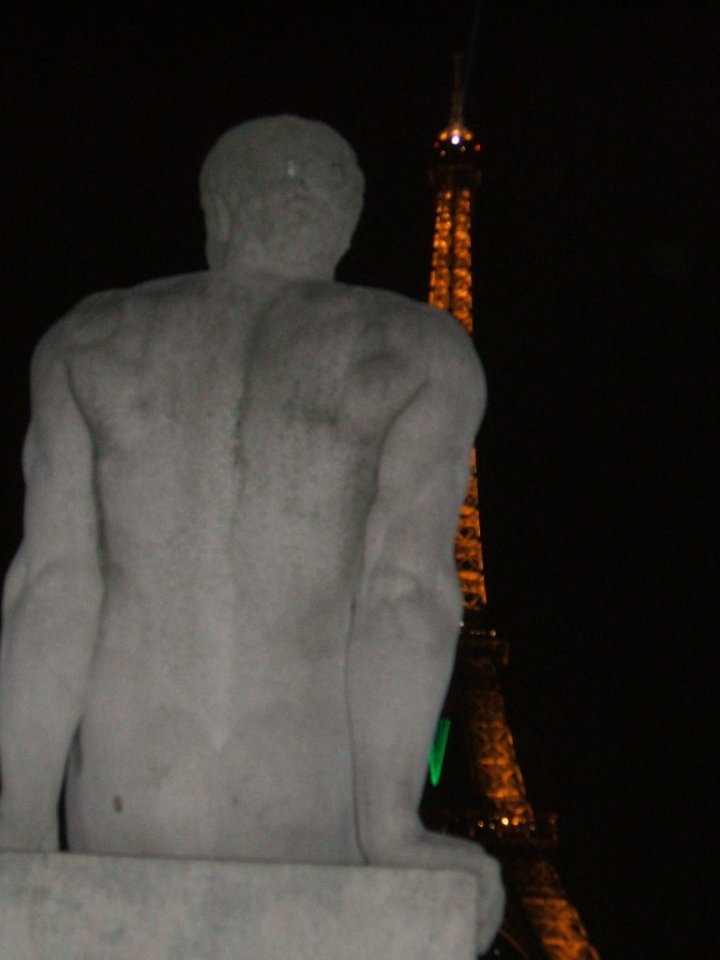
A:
{"x": 419, "y": 606}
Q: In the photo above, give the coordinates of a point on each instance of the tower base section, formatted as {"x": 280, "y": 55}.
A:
{"x": 68, "y": 907}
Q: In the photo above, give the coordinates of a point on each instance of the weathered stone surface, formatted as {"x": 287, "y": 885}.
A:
{"x": 69, "y": 907}
{"x": 232, "y": 620}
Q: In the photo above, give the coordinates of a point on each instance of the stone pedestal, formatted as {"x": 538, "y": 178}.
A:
{"x": 68, "y": 907}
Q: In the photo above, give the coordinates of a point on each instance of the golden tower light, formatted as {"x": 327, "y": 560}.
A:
{"x": 541, "y": 923}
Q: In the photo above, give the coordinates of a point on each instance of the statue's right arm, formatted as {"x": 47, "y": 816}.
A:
{"x": 50, "y": 607}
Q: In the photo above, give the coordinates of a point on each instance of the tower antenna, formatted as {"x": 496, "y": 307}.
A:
{"x": 469, "y": 59}
{"x": 458, "y": 94}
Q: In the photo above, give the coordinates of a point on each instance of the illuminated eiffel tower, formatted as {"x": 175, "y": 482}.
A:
{"x": 473, "y": 756}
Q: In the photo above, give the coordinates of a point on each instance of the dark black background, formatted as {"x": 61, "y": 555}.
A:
{"x": 594, "y": 303}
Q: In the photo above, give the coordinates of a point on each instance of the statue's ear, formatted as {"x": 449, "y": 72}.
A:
{"x": 218, "y": 222}
{"x": 221, "y": 218}
{"x": 217, "y": 215}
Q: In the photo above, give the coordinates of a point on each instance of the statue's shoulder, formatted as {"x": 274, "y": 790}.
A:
{"x": 385, "y": 304}
{"x": 86, "y": 322}
{"x": 395, "y": 311}
{"x": 422, "y": 331}
{"x": 410, "y": 340}
{"x": 100, "y": 316}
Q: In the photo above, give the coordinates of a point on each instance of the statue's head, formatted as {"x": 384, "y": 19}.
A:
{"x": 282, "y": 195}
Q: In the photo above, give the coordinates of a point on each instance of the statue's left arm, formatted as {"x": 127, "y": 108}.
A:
{"x": 50, "y": 608}
{"x": 408, "y": 606}
{"x": 406, "y": 622}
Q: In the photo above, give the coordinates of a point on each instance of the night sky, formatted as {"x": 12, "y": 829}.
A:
{"x": 594, "y": 301}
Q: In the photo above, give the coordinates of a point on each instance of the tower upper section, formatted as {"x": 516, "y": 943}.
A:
{"x": 455, "y": 174}
{"x": 456, "y": 157}
{"x": 456, "y": 151}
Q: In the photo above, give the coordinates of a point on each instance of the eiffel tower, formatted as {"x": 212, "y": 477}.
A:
{"x": 473, "y": 757}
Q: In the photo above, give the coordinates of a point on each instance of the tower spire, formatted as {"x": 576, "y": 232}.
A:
{"x": 456, "y": 107}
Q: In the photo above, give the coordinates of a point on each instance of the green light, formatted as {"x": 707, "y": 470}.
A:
{"x": 437, "y": 752}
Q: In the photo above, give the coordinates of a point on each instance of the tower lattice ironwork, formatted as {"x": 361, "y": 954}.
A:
{"x": 475, "y": 746}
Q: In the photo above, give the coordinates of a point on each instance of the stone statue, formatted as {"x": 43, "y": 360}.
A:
{"x": 232, "y": 619}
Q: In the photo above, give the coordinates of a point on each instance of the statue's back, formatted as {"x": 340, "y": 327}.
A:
{"x": 235, "y": 606}
{"x": 238, "y": 434}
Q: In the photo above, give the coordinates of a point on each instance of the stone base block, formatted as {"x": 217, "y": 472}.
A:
{"x": 68, "y": 907}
